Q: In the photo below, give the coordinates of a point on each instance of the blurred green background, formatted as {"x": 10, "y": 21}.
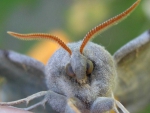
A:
{"x": 73, "y": 17}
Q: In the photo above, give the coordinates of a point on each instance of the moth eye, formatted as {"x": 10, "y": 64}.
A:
{"x": 89, "y": 67}
{"x": 69, "y": 70}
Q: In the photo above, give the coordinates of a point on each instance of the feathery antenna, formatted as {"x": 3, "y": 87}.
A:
{"x": 105, "y": 25}
{"x": 34, "y": 36}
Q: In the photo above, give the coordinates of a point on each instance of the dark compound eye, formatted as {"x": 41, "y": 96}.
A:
{"x": 89, "y": 67}
{"x": 69, "y": 70}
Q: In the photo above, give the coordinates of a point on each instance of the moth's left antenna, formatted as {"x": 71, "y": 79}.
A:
{"x": 34, "y": 36}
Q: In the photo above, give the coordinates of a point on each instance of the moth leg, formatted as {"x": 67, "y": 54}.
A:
{"x": 41, "y": 103}
{"x": 102, "y": 105}
{"x": 121, "y": 107}
{"x": 61, "y": 98}
{"x": 70, "y": 107}
{"x": 27, "y": 99}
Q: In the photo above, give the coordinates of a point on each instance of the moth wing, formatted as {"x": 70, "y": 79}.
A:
{"x": 21, "y": 75}
{"x": 133, "y": 67}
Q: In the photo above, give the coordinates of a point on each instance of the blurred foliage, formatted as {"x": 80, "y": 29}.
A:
{"x": 72, "y": 17}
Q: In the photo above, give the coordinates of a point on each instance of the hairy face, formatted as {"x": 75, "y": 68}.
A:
{"x": 74, "y": 80}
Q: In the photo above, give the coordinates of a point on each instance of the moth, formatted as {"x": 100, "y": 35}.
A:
{"x": 81, "y": 77}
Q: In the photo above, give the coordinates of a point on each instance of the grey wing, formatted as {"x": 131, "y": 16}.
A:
{"x": 133, "y": 67}
{"x": 23, "y": 75}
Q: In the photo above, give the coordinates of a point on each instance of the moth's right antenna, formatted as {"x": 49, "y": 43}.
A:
{"x": 34, "y": 36}
{"x": 107, "y": 24}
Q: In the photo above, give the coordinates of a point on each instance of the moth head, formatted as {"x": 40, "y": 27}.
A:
{"x": 80, "y": 66}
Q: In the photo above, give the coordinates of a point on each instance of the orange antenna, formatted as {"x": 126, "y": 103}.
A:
{"x": 34, "y": 36}
{"x": 105, "y": 25}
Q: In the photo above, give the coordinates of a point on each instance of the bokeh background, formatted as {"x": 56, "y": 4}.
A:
{"x": 70, "y": 20}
